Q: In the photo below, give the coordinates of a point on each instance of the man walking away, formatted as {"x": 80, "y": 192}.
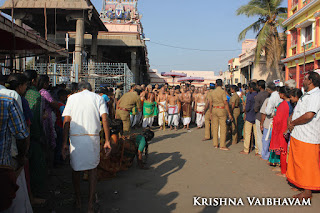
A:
{"x": 250, "y": 119}
{"x": 82, "y": 118}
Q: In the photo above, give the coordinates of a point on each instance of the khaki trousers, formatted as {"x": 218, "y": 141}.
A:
{"x": 248, "y": 130}
{"x": 207, "y": 127}
{"x": 236, "y": 113}
{"x": 259, "y": 136}
{"x": 219, "y": 117}
{"x": 125, "y": 117}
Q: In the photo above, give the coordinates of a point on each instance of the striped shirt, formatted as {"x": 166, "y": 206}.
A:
{"x": 309, "y": 132}
{"x": 12, "y": 123}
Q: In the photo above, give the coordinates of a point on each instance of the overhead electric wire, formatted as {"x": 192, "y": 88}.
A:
{"x": 193, "y": 49}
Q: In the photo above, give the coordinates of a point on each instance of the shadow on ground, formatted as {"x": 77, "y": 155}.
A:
{"x": 133, "y": 190}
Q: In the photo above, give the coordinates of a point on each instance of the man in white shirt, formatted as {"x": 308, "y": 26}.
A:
{"x": 274, "y": 99}
{"x": 303, "y": 163}
{"x": 9, "y": 92}
{"x": 82, "y": 117}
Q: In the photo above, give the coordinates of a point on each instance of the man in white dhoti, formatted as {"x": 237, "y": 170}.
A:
{"x": 173, "y": 110}
{"x": 82, "y": 118}
{"x": 162, "y": 103}
{"x": 186, "y": 100}
{"x": 200, "y": 105}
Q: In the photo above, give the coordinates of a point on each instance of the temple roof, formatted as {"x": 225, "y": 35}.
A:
{"x": 60, "y": 8}
{"x": 17, "y": 40}
{"x": 59, "y": 4}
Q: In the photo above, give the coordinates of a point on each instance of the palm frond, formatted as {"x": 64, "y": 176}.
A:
{"x": 262, "y": 38}
{"x": 252, "y": 10}
{"x": 255, "y": 27}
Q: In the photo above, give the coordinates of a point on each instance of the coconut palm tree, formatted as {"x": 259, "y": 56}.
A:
{"x": 270, "y": 17}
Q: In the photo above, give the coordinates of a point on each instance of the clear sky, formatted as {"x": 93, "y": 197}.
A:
{"x": 198, "y": 24}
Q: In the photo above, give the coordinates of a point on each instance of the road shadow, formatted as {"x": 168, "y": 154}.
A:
{"x": 133, "y": 190}
{"x": 167, "y": 136}
{"x": 141, "y": 190}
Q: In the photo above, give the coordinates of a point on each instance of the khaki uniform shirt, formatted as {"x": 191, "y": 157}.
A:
{"x": 208, "y": 94}
{"x": 235, "y": 99}
{"x": 217, "y": 97}
{"x": 130, "y": 100}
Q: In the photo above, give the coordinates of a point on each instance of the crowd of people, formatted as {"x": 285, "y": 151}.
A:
{"x": 281, "y": 123}
{"x": 41, "y": 125}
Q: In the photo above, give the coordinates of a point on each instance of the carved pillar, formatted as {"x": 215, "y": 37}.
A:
{"x": 19, "y": 61}
{"x": 94, "y": 46}
{"x": 134, "y": 65}
{"x": 79, "y": 43}
{"x": 93, "y": 59}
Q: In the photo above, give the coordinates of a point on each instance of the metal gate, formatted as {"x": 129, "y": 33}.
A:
{"x": 98, "y": 74}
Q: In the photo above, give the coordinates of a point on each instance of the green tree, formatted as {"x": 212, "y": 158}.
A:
{"x": 270, "y": 17}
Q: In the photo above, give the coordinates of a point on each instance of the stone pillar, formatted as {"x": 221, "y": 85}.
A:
{"x": 134, "y": 65}
{"x": 79, "y": 43}
{"x": 19, "y": 61}
{"x": 93, "y": 59}
{"x": 94, "y": 47}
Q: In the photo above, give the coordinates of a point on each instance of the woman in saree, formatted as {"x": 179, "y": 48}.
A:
{"x": 279, "y": 145}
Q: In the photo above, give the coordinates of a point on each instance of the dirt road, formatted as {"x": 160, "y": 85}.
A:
{"x": 183, "y": 167}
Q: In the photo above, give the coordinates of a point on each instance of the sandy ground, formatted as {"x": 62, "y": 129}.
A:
{"x": 181, "y": 167}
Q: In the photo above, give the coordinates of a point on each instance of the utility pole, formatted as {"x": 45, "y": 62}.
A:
{"x": 304, "y": 58}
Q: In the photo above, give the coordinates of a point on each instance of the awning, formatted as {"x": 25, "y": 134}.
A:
{"x": 17, "y": 40}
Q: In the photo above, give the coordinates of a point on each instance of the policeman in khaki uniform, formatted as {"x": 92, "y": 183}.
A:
{"x": 125, "y": 105}
{"x": 219, "y": 108}
{"x": 235, "y": 109}
{"x": 207, "y": 117}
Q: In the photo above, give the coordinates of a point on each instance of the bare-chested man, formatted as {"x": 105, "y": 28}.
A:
{"x": 173, "y": 109}
{"x": 205, "y": 89}
{"x": 186, "y": 99}
{"x": 177, "y": 90}
{"x": 149, "y": 106}
{"x": 200, "y": 104}
{"x": 162, "y": 104}
{"x": 156, "y": 88}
